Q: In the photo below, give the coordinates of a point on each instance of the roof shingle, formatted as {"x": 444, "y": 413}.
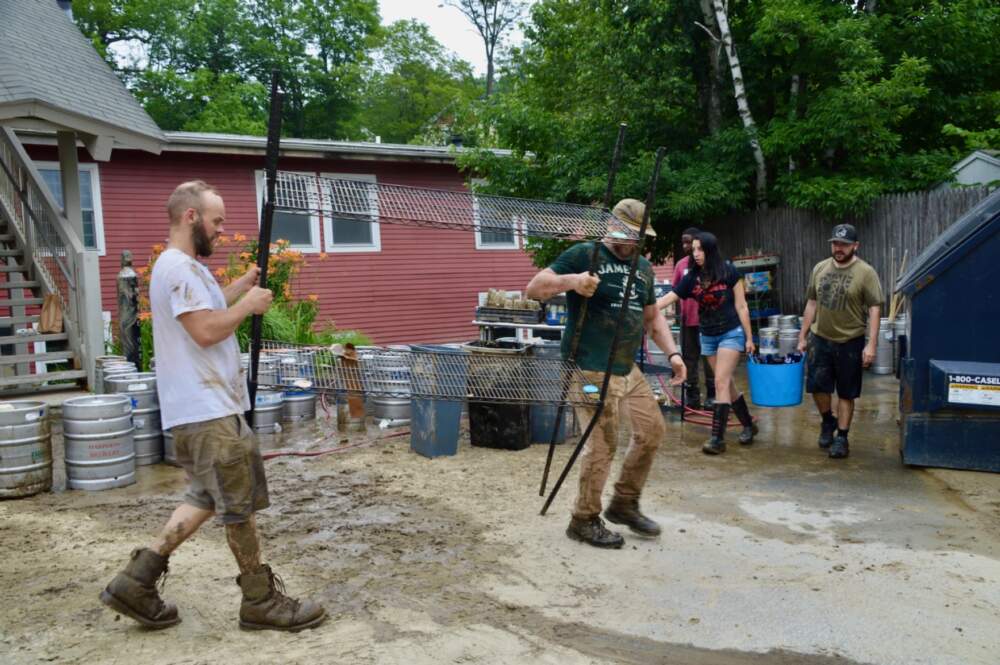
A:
{"x": 46, "y": 60}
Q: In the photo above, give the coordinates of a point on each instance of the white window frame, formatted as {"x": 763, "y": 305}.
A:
{"x": 95, "y": 193}
{"x": 314, "y": 246}
{"x": 376, "y": 244}
{"x": 515, "y": 243}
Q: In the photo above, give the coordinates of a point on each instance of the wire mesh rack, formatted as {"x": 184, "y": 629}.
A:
{"x": 367, "y": 201}
{"x": 447, "y": 374}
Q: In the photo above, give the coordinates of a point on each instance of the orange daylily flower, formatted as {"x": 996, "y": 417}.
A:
{"x": 312, "y": 297}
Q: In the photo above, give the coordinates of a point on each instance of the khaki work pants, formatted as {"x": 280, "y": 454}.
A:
{"x": 629, "y": 396}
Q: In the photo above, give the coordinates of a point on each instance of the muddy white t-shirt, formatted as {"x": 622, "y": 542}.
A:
{"x": 195, "y": 384}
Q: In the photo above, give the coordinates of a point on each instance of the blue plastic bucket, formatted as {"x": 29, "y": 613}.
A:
{"x": 775, "y": 385}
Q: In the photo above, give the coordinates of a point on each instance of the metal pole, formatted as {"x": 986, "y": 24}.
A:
{"x": 575, "y": 343}
{"x": 264, "y": 239}
{"x": 128, "y": 310}
{"x": 650, "y": 200}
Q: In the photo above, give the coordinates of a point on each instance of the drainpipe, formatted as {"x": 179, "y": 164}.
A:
{"x": 128, "y": 310}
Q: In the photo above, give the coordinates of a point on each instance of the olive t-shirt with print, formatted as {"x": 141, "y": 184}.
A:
{"x": 843, "y": 296}
{"x": 604, "y": 307}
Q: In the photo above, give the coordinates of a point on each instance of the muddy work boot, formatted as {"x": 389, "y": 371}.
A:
{"x": 826, "y": 431}
{"x": 742, "y": 412}
{"x": 720, "y": 418}
{"x": 626, "y": 511}
{"x": 133, "y": 591}
{"x": 266, "y": 607}
{"x": 593, "y": 532}
{"x": 840, "y": 448}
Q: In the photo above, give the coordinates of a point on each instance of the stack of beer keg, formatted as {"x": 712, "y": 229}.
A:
{"x": 141, "y": 388}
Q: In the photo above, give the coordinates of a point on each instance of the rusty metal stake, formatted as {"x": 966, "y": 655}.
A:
{"x": 264, "y": 239}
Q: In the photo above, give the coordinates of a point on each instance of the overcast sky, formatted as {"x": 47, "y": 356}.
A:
{"x": 447, "y": 24}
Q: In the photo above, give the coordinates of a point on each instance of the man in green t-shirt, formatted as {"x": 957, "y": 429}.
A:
{"x": 628, "y": 392}
{"x": 843, "y": 292}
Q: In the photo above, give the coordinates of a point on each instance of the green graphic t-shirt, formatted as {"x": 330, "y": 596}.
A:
{"x": 604, "y": 308}
{"x": 843, "y": 296}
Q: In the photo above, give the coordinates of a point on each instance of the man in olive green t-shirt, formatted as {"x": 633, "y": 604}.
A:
{"x": 843, "y": 291}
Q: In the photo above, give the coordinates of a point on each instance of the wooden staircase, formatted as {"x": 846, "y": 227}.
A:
{"x": 30, "y": 361}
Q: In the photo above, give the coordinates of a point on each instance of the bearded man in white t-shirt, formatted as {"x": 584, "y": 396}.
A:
{"x": 203, "y": 395}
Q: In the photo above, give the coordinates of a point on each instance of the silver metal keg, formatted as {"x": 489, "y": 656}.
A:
{"x": 788, "y": 340}
{"x": 768, "y": 341}
{"x": 169, "y": 449}
{"x": 100, "y": 450}
{"x": 299, "y": 406}
{"x": 25, "y": 449}
{"x": 883, "y": 348}
{"x": 141, "y": 387}
{"x": 788, "y": 322}
{"x": 99, "y": 364}
{"x": 267, "y": 410}
{"x": 114, "y": 369}
{"x": 389, "y": 379}
{"x": 773, "y": 321}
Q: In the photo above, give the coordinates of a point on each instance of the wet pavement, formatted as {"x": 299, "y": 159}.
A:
{"x": 771, "y": 553}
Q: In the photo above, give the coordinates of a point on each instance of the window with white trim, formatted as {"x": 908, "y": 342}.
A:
{"x": 346, "y": 234}
{"x": 494, "y": 228}
{"x": 90, "y": 200}
{"x": 300, "y": 230}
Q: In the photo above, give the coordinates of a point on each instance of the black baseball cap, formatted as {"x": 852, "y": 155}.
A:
{"x": 844, "y": 233}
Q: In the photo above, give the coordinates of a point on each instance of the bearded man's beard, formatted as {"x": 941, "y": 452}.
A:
{"x": 848, "y": 254}
{"x": 203, "y": 244}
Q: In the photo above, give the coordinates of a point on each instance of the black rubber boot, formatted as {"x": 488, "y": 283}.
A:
{"x": 593, "y": 532}
{"x": 827, "y": 430}
{"x": 266, "y": 607}
{"x": 133, "y": 591}
{"x": 720, "y": 417}
{"x": 626, "y": 512}
{"x": 710, "y": 395}
{"x": 840, "y": 448}
{"x": 742, "y": 412}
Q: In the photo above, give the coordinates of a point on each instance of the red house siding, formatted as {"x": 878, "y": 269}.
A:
{"x": 421, "y": 287}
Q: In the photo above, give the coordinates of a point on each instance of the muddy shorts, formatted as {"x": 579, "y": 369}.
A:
{"x": 224, "y": 467}
{"x": 835, "y": 366}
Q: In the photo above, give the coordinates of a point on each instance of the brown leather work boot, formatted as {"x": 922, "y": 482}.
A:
{"x": 266, "y": 607}
{"x": 593, "y": 532}
{"x": 133, "y": 591}
{"x": 626, "y": 511}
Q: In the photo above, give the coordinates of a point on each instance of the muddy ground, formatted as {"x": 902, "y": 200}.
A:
{"x": 770, "y": 554}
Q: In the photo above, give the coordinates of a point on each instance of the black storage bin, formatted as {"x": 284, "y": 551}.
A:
{"x": 493, "y": 425}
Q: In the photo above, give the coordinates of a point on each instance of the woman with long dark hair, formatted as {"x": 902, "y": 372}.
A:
{"x": 724, "y": 322}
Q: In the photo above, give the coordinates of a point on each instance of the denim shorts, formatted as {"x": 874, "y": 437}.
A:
{"x": 731, "y": 339}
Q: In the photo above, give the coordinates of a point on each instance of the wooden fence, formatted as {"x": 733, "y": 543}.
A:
{"x": 897, "y": 224}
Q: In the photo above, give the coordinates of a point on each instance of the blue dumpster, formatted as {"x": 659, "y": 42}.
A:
{"x": 950, "y": 361}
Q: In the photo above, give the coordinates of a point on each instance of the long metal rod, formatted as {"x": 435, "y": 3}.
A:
{"x": 266, "y": 222}
{"x": 650, "y": 200}
{"x": 595, "y": 258}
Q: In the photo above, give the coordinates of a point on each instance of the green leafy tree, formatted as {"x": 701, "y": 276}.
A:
{"x": 414, "y": 85}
